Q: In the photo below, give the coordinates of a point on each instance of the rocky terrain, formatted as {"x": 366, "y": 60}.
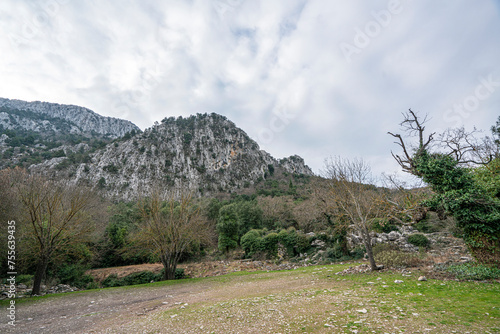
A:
{"x": 17, "y": 114}
{"x": 205, "y": 153}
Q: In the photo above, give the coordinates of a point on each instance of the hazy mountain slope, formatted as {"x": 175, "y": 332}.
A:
{"x": 44, "y": 116}
{"x": 205, "y": 153}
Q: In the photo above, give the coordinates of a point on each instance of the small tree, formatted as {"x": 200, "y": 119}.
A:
{"x": 171, "y": 228}
{"x": 227, "y": 227}
{"x": 56, "y": 217}
{"x": 353, "y": 198}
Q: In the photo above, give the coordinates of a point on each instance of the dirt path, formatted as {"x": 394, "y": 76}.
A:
{"x": 95, "y": 311}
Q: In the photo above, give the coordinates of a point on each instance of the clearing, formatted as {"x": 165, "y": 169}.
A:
{"x": 305, "y": 300}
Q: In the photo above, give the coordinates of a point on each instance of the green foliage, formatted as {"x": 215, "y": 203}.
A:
{"x": 267, "y": 242}
{"x": 270, "y": 167}
{"x": 116, "y": 247}
{"x": 235, "y": 220}
{"x": 24, "y": 279}
{"x": 252, "y": 242}
{"x": 111, "y": 281}
{"x": 426, "y": 226}
{"x": 336, "y": 253}
{"x": 288, "y": 238}
{"x": 249, "y": 216}
{"x": 459, "y": 193}
{"x": 142, "y": 277}
{"x": 358, "y": 253}
{"x": 381, "y": 225}
{"x": 419, "y": 240}
{"x": 478, "y": 272}
{"x": 488, "y": 177}
{"x": 111, "y": 168}
{"x": 187, "y": 137}
{"x": 74, "y": 275}
{"x": 227, "y": 227}
{"x": 101, "y": 183}
{"x": 270, "y": 244}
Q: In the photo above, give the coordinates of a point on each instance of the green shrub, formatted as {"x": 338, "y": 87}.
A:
{"x": 335, "y": 253}
{"x": 112, "y": 281}
{"x": 398, "y": 259}
{"x": 358, "y": 253}
{"x": 179, "y": 273}
{"x": 303, "y": 243}
{"x": 384, "y": 226}
{"x": 270, "y": 244}
{"x": 139, "y": 278}
{"x": 92, "y": 285}
{"x": 74, "y": 275}
{"x": 252, "y": 243}
{"x": 24, "y": 279}
{"x": 419, "y": 240}
{"x": 288, "y": 238}
{"x": 478, "y": 272}
{"x": 142, "y": 277}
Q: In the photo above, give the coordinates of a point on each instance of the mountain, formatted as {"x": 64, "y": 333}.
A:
{"x": 205, "y": 153}
{"x": 46, "y": 117}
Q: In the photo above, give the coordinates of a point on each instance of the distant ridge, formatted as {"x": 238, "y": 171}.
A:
{"x": 80, "y": 120}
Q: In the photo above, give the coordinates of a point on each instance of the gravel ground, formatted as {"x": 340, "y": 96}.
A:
{"x": 304, "y": 300}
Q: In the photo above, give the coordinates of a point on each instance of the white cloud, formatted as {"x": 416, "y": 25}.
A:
{"x": 273, "y": 66}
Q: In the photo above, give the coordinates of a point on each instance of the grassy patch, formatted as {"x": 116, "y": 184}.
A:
{"x": 316, "y": 300}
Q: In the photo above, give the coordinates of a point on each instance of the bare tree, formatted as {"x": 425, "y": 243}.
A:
{"x": 406, "y": 199}
{"x": 171, "y": 228}
{"x": 412, "y": 125}
{"x": 56, "y": 218}
{"x": 463, "y": 146}
{"x": 354, "y": 198}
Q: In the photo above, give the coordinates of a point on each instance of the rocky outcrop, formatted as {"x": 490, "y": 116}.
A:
{"x": 295, "y": 164}
{"x": 205, "y": 153}
{"x": 60, "y": 117}
{"x": 398, "y": 238}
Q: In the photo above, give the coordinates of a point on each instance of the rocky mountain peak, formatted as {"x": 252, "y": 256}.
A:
{"x": 206, "y": 153}
{"x": 40, "y": 116}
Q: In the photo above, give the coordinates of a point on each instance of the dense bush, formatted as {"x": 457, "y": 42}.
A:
{"x": 335, "y": 253}
{"x": 419, "y": 240}
{"x": 142, "y": 277}
{"x": 74, "y": 275}
{"x": 111, "y": 281}
{"x": 384, "y": 226}
{"x": 262, "y": 241}
{"x": 252, "y": 242}
{"x": 478, "y": 272}
{"x": 24, "y": 279}
{"x": 270, "y": 244}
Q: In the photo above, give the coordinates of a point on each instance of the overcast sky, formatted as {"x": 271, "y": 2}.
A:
{"x": 315, "y": 78}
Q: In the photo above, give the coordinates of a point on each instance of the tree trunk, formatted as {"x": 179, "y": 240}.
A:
{"x": 367, "y": 240}
{"x": 169, "y": 266}
{"x": 41, "y": 267}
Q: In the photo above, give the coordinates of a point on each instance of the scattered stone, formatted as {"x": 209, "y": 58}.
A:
{"x": 363, "y": 310}
{"x": 422, "y": 278}
{"x": 398, "y": 281}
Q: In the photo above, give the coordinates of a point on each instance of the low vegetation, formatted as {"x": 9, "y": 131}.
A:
{"x": 316, "y": 299}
